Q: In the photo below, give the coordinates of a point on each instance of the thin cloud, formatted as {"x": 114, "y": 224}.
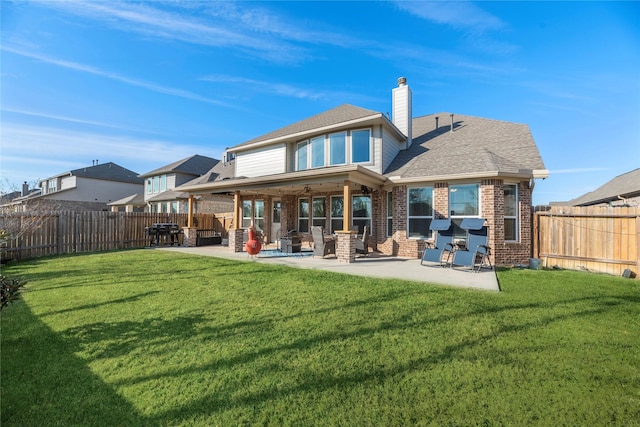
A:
{"x": 169, "y": 25}
{"x": 37, "y": 141}
{"x": 280, "y": 89}
{"x": 113, "y": 76}
{"x": 576, "y": 170}
{"x": 459, "y": 15}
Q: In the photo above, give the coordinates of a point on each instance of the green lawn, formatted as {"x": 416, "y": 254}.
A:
{"x": 155, "y": 338}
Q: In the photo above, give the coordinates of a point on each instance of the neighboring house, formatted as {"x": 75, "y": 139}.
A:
{"x": 162, "y": 186}
{"x": 623, "y": 190}
{"x": 396, "y": 176}
{"x": 132, "y": 203}
{"x": 86, "y": 189}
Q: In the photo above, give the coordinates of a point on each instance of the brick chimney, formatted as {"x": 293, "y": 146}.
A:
{"x": 401, "y": 109}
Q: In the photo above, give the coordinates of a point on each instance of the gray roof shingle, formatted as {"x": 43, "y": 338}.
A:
{"x": 625, "y": 185}
{"x": 108, "y": 171}
{"x": 476, "y": 145}
{"x": 195, "y": 165}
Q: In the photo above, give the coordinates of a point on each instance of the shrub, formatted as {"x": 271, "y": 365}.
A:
{"x": 10, "y": 290}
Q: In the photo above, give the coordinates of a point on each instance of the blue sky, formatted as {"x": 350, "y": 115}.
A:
{"x": 143, "y": 84}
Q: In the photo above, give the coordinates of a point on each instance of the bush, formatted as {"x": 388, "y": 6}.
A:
{"x": 10, "y": 290}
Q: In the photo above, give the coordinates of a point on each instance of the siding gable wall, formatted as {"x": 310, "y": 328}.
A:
{"x": 262, "y": 161}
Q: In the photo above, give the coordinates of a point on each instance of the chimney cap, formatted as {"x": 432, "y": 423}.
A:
{"x": 402, "y": 81}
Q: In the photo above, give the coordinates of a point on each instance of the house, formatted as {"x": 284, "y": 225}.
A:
{"x": 351, "y": 166}
{"x": 89, "y": 188}
{"x": 623, "y": 190}
{"x": 162, "y": 186}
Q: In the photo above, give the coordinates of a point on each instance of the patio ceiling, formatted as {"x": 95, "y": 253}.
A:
{"x": 311, "y": 181}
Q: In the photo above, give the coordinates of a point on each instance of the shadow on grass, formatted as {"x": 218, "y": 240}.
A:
{"x": 66, "y": 391}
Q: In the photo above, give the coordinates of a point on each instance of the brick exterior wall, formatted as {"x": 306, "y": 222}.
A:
{"x": 492, "y": 208}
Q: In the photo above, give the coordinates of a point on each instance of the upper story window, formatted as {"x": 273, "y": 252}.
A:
{"x": 334, "y": 149}
{"x": 338, "y": 148}
{"x": 156, "y": 184}
{"x": 360, "y": 146}
{"x": 52, "y": 185}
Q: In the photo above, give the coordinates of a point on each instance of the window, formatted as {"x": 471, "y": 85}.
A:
{"x": 337, "y": 149}
{"x": 420, "y": 212}
{"x": 464, "y": 201}
{"x": 174, "y": 207}
{"x": 332, "y": 149}
{"x": 163, "y": 182}
{"x": 303, "y": 215}
{"x": 317, "y": 152}
{"x": 253, "y": 213}
{"x": 258, "y": 214}
{"x": 511, "y": 212}
{"x": 302, "y": 156}
{"x": 319, "y": 217}
{"x": 360, "y": 146}
{"x": 389, "y": 214}
{"x": 149, "y": 185}
{"x": 156, "y": 183}
{"x": 52, "y": 185}
{"x": 337, "y": 213}
{"x": 246, "y": 213}
{"x": 362, "y": 212}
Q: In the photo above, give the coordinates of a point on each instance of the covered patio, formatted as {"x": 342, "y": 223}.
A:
{"x": 276, "y": 205}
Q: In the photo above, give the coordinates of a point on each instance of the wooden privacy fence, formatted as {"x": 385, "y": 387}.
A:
{"x": 601, "y": 239}
{"x": 33, "y": 235}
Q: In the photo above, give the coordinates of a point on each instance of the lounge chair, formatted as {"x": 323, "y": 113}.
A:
{"x": 475, "y": 252}
{"x": 362, "y": 245}
{"x": 443, "y": 244}
{"x": 322, "y": 245}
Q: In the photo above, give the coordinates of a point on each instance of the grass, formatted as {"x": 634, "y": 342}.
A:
{"x": 154, "y": 338}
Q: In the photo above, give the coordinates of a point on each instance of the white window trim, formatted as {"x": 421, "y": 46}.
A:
{"x": 351, "y": 147}
{"x": 409, "y": 217}
{"x": 517, "y": 215}
{"x": 348, "y": 149}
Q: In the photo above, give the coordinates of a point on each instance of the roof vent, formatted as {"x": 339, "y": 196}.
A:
{"x": 451, "y": 122}
{"x": 437, "y": 122}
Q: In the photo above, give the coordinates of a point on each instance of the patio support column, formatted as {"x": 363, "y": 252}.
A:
{"x": 346, "y": 216}
{"x": 190, "y": 232}
{"x": 236, "y": 233}
{"x": 346, "y": 241}
{"x": 237, "y": 213}
{"x": 190, "y": 217}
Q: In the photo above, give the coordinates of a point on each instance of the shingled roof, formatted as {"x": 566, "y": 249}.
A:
{"x": 107, "y": 171}
{"x": 195, "y": 165}
{"x": 626, "y": 185}
{"x": 341, "y": 114}
{"x": 476, "y": 146}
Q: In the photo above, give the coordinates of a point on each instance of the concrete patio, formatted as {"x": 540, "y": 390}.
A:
{"x": 373, "y": 265}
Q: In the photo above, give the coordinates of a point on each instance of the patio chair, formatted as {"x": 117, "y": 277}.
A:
{"x": 322, "y": 245}
{"x": 475, "y": 251}
{"x": 443, "y": 244}
{"x": 362, "y": 245}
